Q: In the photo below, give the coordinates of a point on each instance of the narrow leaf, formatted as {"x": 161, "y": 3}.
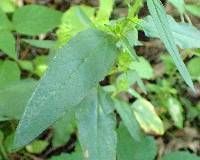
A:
{"x": 83, "y": 17}
{"x": 96, "y": 130}
{"x": 184, "y": 34}
{"x": 74, "y": 71}
{"x": 48, "y": 44}
{"x": 129, "y": 120}
{"x": 159, "y": 16}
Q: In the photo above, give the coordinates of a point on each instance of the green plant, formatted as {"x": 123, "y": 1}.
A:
{"x": 90, "y": 47}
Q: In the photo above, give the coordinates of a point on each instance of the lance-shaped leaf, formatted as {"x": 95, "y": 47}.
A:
{"x": 159, "y": 16}
{"x": 147, "y": 117}
{"x": 48, "y": 44}
{"x": 96, "y": 129}
{"x": 128, "y": 117}
{"x": 85, "y": 20}
{"x": 74, "y": 71}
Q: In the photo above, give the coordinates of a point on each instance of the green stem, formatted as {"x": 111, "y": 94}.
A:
{"x": 135, "y": 8}
{"x": 3, "y": 152}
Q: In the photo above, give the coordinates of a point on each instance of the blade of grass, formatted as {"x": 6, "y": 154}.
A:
{"x": 158, "y": 13}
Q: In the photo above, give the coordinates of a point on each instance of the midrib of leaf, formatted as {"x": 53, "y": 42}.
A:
{"x": 99, "y": 109}
{"x": 166, "y": 37}
{"x": 98, "y": 136}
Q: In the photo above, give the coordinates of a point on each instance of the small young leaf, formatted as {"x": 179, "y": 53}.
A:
{"x": 129, "y": 48}
{"x": 83, "y": 17}
{"x": 193, "y": 69}
{"x": 48, "y": 44}
{"x": 71, "y": 23}
{"x": 26, "y": 65}
{"x": 37, "y": 146}
{"x": 74, "y": 71}
{"x": 176, "y": 111}
{"x": 96, "y": 129}
{"x": 70, "y": 18}
{"x": 126, "y": 79}
{"x": 7, "y": 43}
{"x": 130, "y": 149}
{"x": 143, "y": 68}
{"x": 35, "y": 19}
{"x": 129, "y": 119}
{"x": 180, "y": 155}
{"x": 146, "y": 116}
{"x": 41, "y": 65}
{"x": 158, "y": 14}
